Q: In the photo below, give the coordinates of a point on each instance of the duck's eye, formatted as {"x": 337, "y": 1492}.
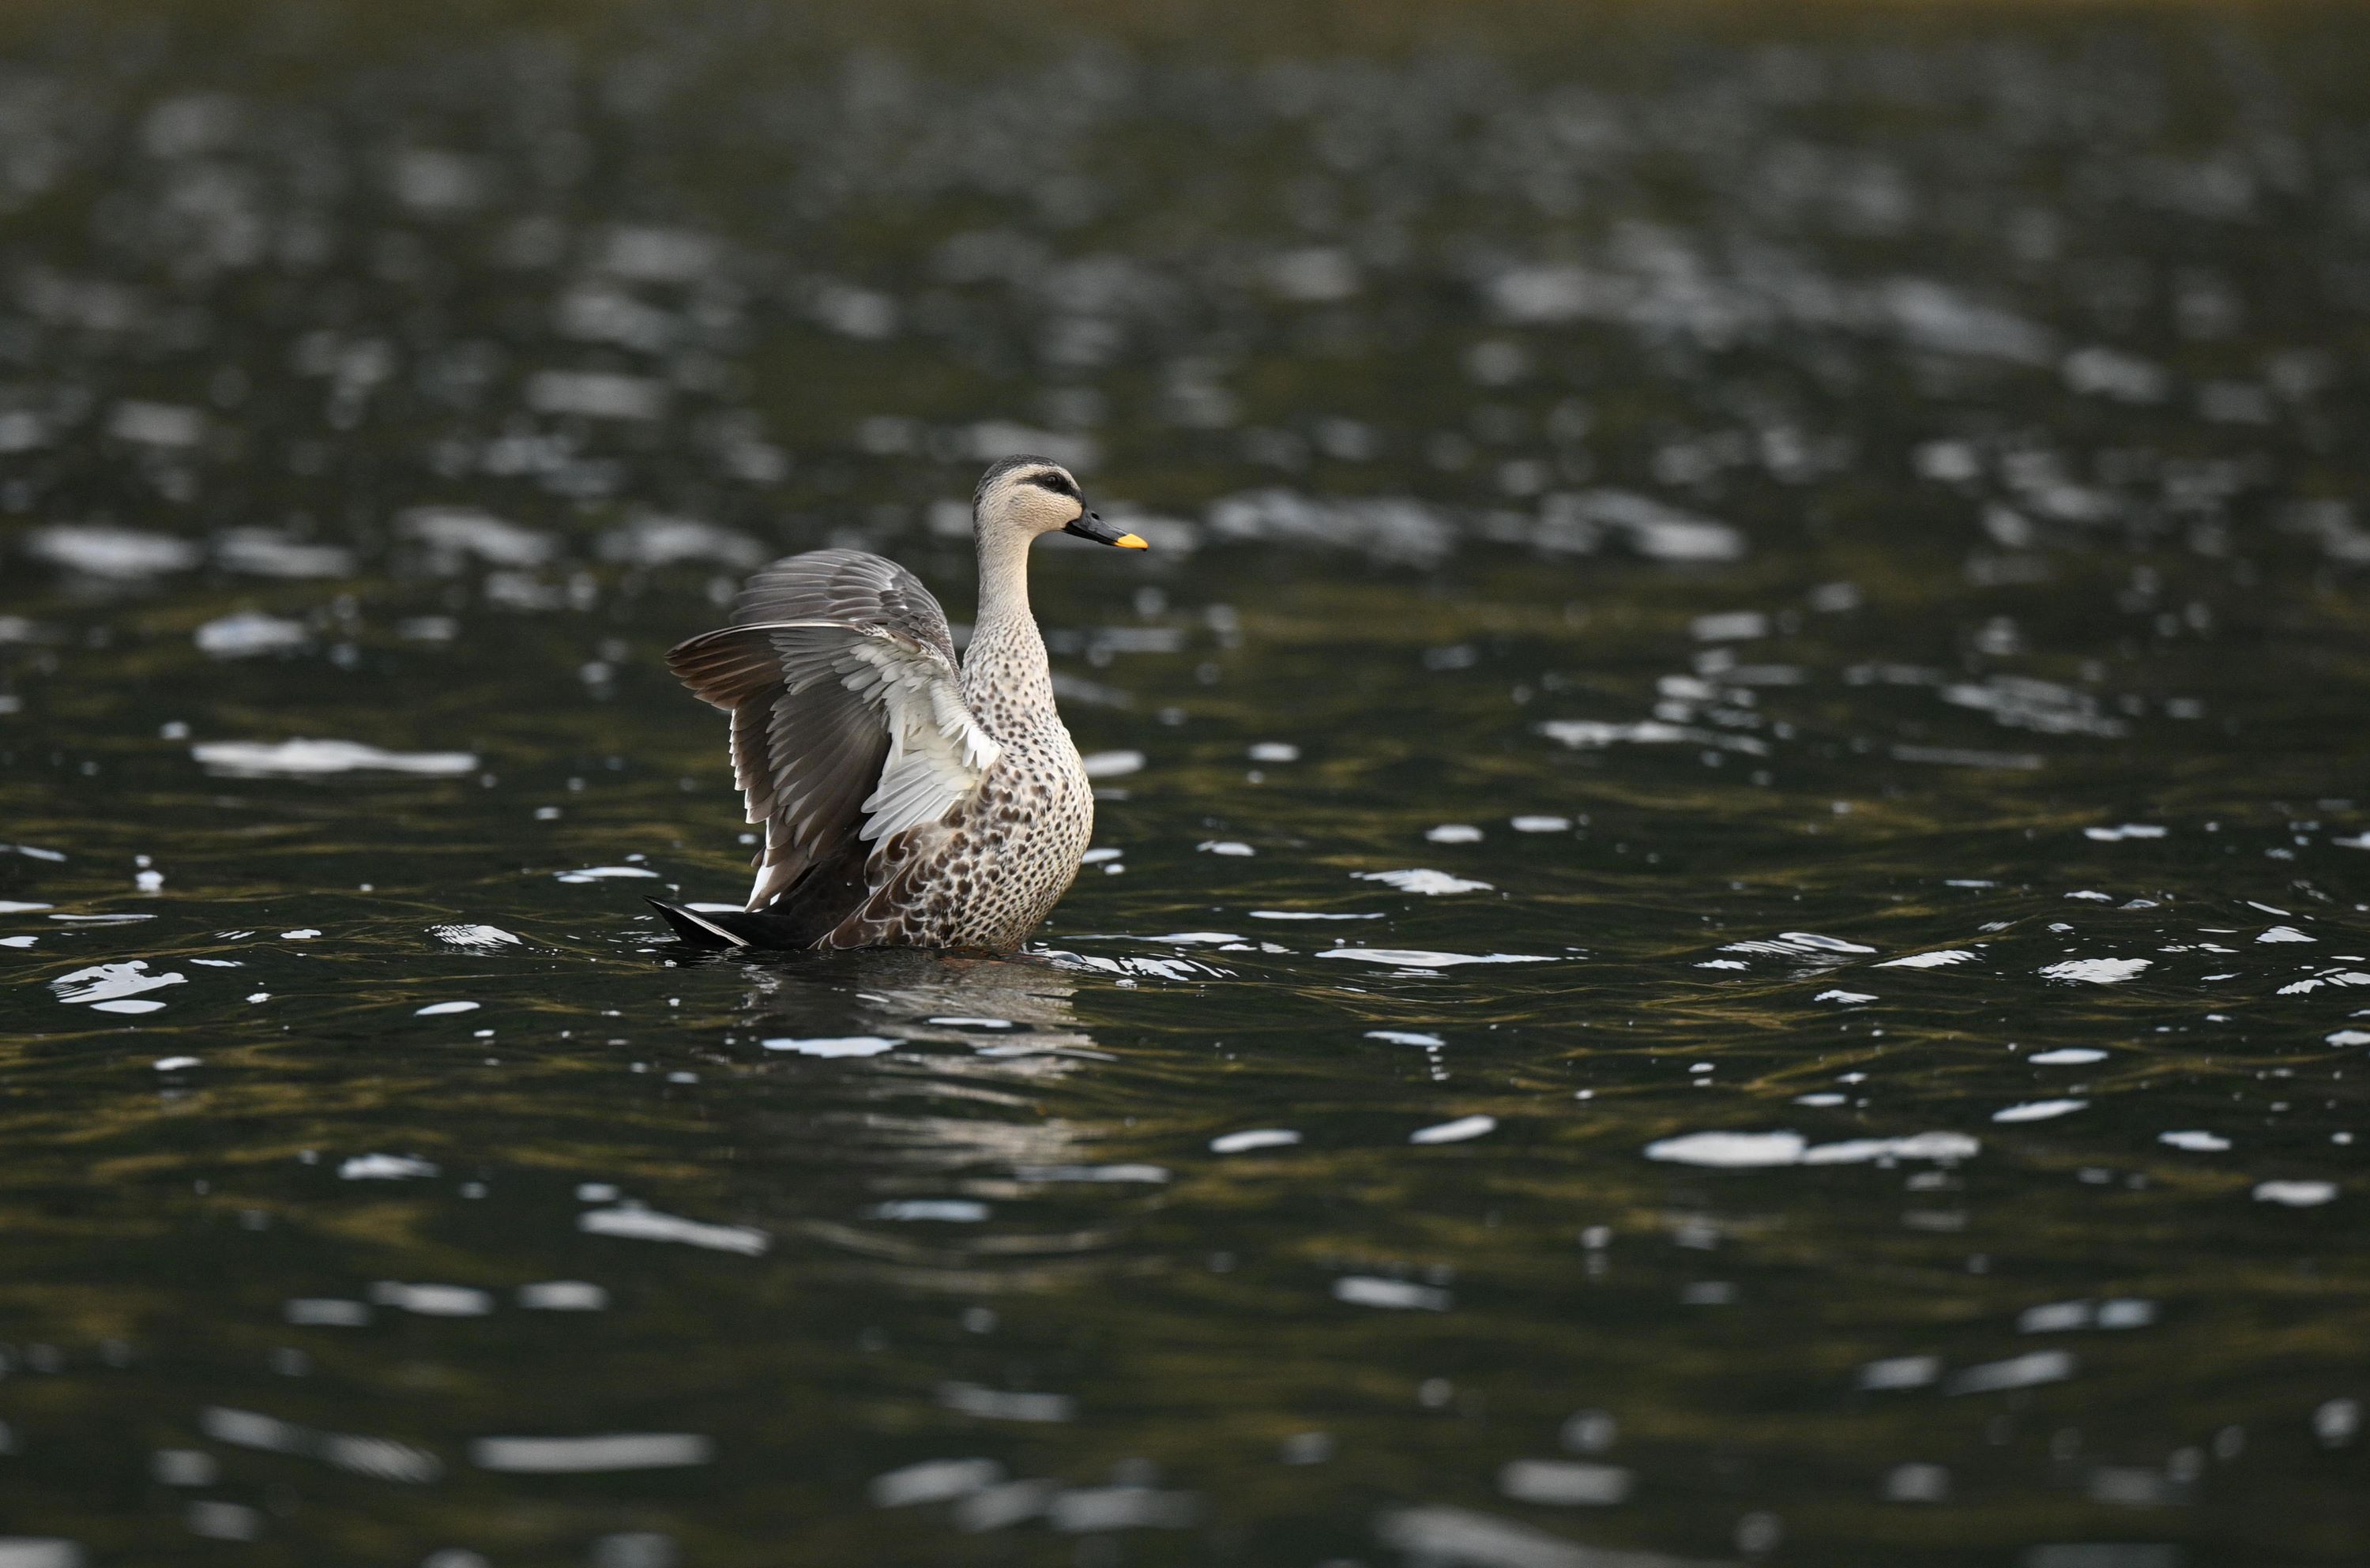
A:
{"x": 1059, "y": 484}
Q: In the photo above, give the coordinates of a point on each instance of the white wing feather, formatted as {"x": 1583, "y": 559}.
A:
{"x": 938, "y": 752}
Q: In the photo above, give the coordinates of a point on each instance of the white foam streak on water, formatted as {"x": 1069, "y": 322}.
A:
{"x": 1590, "y": 733}
{"x": 997, "y": 1404}
{"x": 562, "y": 1295}
{"x": 607, "y": 873}
{"x": 1367, "y": 1290}
{"x": 1749, "y": 1151}
{"x": 844, "y": 1046}
{"x": 1416, "y": 958}
{"x": 2071, "y": 1057}
{"x": 2326, "y": 977}
{"x": 1918, "y": 1146}
{"x": 646, "y": 1225}
{"x": 1256, "y": 1138}
{"x": 1812, "y": 941}
{"x": 2097, "y": 971}
{"x": 1152, "y": 1174}
{"x": 2039, "y": 1109}
{"x": 443, "y": 1009}
{"x": 933, "y": 1480}
{"x": 101, "y": 551}
{"x": 580, "y": 1455}
{"x": 2194, "y": 1141}
{"x": 1734, "y": 1151}
{"x": 1113, "y": 763}
{"x": 2295, "y": 1194}
{"x": 1900, "y": 1372}
{"x": 104, "y": 983}
{"x": 247, "y": 633}
{"x": 1429, "y": 882}
{"x": 1939, "y": 959}
{"x": 2017, "y": 1372}
{"x": 385, "y": 1168}
{"x": 2061, "y": 1317}
{"x": 1081, "y": 1510}
{"x": 306, "y": 759}
{"x": 950, "y": 1211}
{"x": 432, "y": 1300}
{"x": 1458, "y": 1131}
{"x": 1565, "y": 1483}
{"x": 249, "y": 1429}
{"x": 1305, "y": 915}
{"x": 480, "y": 936}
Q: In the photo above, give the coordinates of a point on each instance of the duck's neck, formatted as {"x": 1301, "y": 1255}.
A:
{"x": 1005, "y": 679}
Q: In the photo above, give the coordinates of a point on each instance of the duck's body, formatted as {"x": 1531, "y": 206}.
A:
{"x": 907, "y": 800}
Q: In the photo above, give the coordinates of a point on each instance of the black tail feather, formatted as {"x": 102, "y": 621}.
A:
{"x": 700, "y": 930}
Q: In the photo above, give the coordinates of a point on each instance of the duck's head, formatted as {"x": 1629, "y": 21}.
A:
{"x": 1025, "y": 496}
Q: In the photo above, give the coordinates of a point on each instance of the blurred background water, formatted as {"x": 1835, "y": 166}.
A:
{"x": 1729, "y": 920}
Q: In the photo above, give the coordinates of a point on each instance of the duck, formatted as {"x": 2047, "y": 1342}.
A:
{"x": 907, "y": 798}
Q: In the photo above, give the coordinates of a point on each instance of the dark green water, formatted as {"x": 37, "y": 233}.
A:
{"x": 1654, "y": 532}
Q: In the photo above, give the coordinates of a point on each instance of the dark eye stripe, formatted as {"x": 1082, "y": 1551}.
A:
{"x": 1059, "y": 484}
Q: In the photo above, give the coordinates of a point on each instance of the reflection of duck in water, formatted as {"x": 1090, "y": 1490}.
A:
{"x": 993, "y": 1006}
{"x": 907, "y": 802}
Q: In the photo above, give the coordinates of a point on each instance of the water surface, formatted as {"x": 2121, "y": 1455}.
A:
{"x": 1732, "y": 911}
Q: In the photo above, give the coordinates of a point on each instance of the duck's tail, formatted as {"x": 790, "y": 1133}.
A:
{"x": 703, "y": 930}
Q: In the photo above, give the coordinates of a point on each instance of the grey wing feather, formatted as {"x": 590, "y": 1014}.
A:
{"x": 851, "y": 587}
{"x": 805, "y": 758}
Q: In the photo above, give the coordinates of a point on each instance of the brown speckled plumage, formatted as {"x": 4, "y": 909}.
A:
{"x": 906, "y": 803}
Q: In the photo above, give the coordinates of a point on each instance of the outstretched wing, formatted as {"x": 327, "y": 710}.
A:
{"x": 845, "y": 732}
{"x": 851, "y": 587}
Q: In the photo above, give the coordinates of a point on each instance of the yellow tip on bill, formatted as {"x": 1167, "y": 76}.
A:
{"x": 1130, "y": 542}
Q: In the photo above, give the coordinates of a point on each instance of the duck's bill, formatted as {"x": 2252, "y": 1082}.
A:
{"x": 1089, "y": 526}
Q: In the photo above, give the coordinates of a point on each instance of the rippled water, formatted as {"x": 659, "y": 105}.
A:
{"x": 1732, "y": 913}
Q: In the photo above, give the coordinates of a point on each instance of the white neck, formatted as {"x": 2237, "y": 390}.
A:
{"x": 1005, "y": 679}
